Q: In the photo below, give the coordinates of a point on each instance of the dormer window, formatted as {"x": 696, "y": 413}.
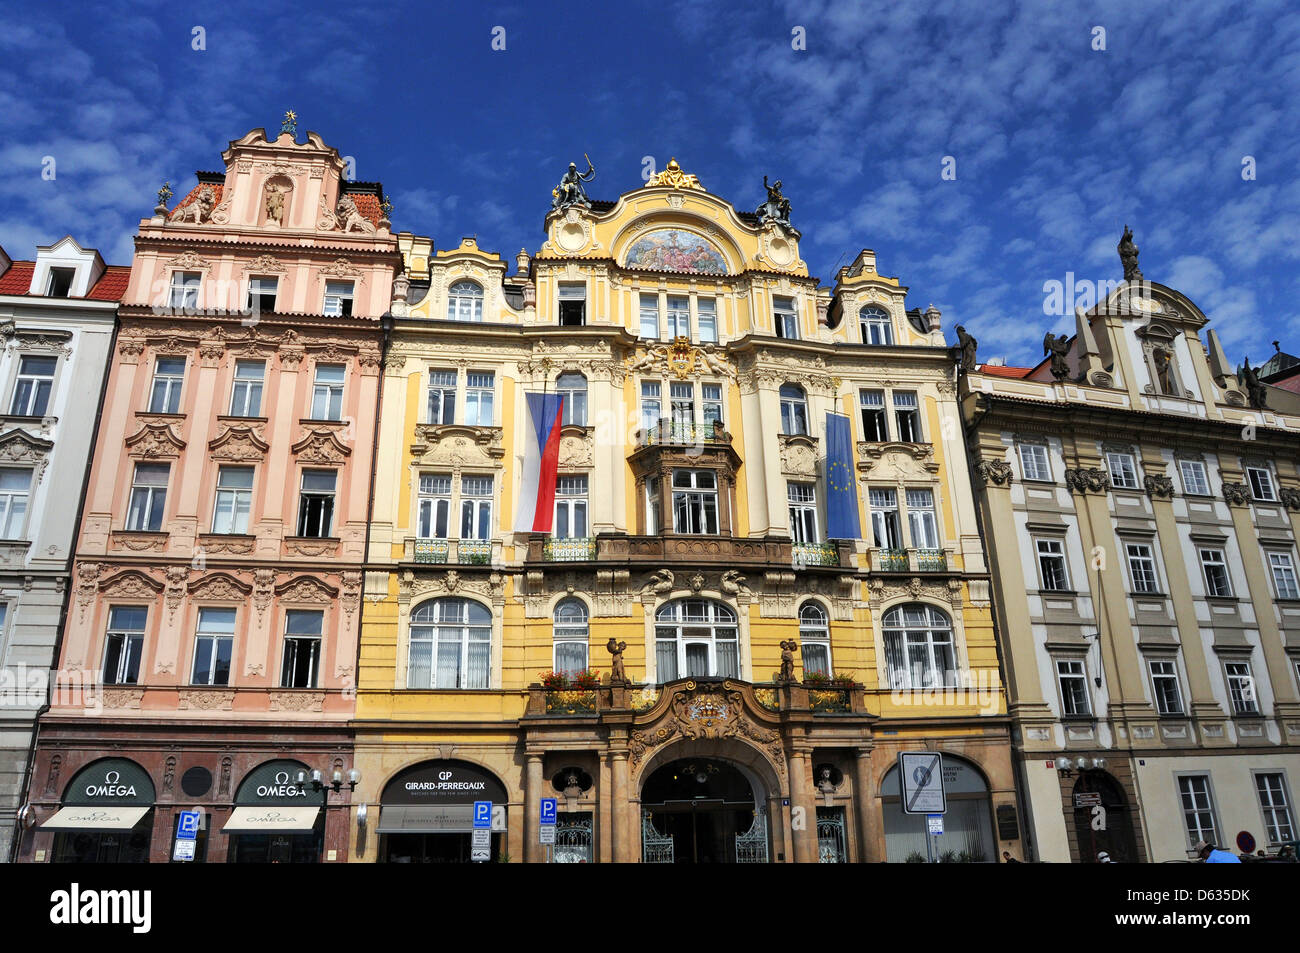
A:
{"x": 60, "y": 282}
{"x": 465, "y": 302}
{"x": 573, "y": 305}
{"x": 876, "y": 325}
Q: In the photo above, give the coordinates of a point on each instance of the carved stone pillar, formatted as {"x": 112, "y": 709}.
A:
{"x": 532, "y": 810}
{"x": 622, "y": 813}
{"x": 805, "y": 834}
{"x": 864, "y": 787}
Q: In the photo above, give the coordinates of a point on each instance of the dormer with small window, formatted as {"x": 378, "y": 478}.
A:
{"x": 65, "y": 270}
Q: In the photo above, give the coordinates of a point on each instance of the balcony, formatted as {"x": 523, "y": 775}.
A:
{"x": 909, "y": 560}
{"x": 815, "y": 554}
{"x": 464, "y": 552}
{"x": 676, "y": 434}
{"x": 845, "y": 700}
{"x": 577, "y": 549}
{"x": 731, "y": 551}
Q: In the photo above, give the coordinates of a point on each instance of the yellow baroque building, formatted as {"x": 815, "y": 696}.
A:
{"x": 698, "y": 361}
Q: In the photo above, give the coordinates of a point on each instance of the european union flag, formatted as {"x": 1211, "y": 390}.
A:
{"x": 841, "y": 487}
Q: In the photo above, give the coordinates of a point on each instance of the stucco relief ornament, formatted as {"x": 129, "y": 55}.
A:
{"x": 350, "y": 218}
{"x": 17, "y": 447}
{"x": 263, "y": 590}
{"x": 1083, "y": 480}
{"x": 1290, "y": 497}
{"x": 155, "y": 440}
{"x": 87, "y": 585}
{"x": 673, "y": 177}
{"x": 1161, "y": 487}
{"x": 1236, "y": 494}
{"x": 661, "y": 582}
{"x": 997, "y": 472}
{"x": 176, "y": 577}
{"x": 198, "y": 211}
{"x": 327, "y": 220}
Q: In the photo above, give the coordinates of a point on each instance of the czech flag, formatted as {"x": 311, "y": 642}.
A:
{"x": 541, "y": 458}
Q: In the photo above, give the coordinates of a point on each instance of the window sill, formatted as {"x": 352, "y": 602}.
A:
{"x": 239, "y": 419}
{"x": 1079, "y": 719}
{"x": 1247, "y": 716}
{"x": 320, "y": 421}
{"x": 1062, "y": 593}
{"x": 1148, "y": 595}
{"x": 42, "y": 419}
{"x": 158, "y": 415}
{"x": 1222, "y": 600}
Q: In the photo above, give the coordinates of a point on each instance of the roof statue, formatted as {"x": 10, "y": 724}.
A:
{"x": 967, "y": 346}
{"x": 570, "y": 191}
{"x": 776, "y": 210}
{"x": 1058, "y": 347}
{"x": 1128, "y": 255}
{"x": 673, "y": 177}
{"x": 290, "y": 124}
{"x": 1256, "y": 390}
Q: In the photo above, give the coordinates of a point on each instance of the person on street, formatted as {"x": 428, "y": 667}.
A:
{"x": 1212, "y": 855}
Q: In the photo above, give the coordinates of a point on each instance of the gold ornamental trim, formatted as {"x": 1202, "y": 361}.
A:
{"x": 672, "y": 177}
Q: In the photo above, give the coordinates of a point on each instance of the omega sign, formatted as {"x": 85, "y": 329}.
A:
{"x": 114, "y": 781}
{"x": 281, "y": 787}
{"x": 110, "y": 787}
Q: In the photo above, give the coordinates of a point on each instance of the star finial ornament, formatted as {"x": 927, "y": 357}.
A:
{"x": 290, "y": 124}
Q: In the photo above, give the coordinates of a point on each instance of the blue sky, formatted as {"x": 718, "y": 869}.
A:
{"x": 1056, "y": 145}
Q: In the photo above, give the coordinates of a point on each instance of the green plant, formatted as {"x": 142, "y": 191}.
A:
{"x": 948, "y": 857}
{"x": 915, "y": 857}
{"x": 587, "y": 679}
{"x": 503, "y": 858}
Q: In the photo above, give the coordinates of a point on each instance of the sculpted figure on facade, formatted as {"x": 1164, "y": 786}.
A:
{"x": 788, "y": 648}
{"x": 350, "y": 218}
{"x": 617, "y": 673}
{"x": 966, "y": 345}
{"x": 1058, "y": 347}
{"x": 199, "y": 210}
{"x": 570, "y": 190}
{"x": 1256, "y": 390}
{"x": 1128, "y": 256}
{"x": 776, "y": 210}
{"x": 275, "y": 204}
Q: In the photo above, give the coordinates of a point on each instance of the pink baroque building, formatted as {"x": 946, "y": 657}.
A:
{"x": 218, "y": 572}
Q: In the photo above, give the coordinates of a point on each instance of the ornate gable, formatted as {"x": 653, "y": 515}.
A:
{"x": 18, "y": 446}
{"x": 238, "y": 442}
{"x": 306, "y": 589}
{"x": 321, "y": 446}
{"x": 456, "y": 446}
{"x": 155, "y": 440}
{"x": 219, "y": 586}
{"x": 131, "y": 584}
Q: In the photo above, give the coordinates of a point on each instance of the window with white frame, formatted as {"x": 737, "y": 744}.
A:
{"x": 1261, "y": 484}
{"x": 479, "y": 388}
{"x": 785, "y": 318}
{"x": 1034, "y": 463}
{"x": 148, "y": 497}
{"x": 571, "y": 506}
{"x": 875, "y": 421}
{"x": 695, "y": 502}
{"x": 442, "y": 397}
{"x": 794, "y": 410}
{"x": 1241, "y": 688}
{"x": 246, "y": 394}
{"x": 650, "y": 316}
{"x": 1052, "y": 564}
{"x": 814, "y": 639}
{"x": 185, "y": 290}
{"x": 338, "y": 299}
{"x": 15, "y": 488}
{"x": 573, "y": 303}
{"x": 681, "y": 396}
{"x": 1284, "y": 577}
{"x": 168, "y": 378}
{"x": 921, "y": 519}
{"x": 316, "y": 503}
{"x": 711, "y": 405}
{"x": 570, "y": 637}
{"x": 234, "y": 500}
{"x": 907, "y": 414}
{"x": 651, "y": 404}
{"x": 327, "y": 392}
{"x": 885, "y": 528}
{"x": 706, "y": 316}
{"x": 434, "y": 505}
{"x": 1196, "y": 481}
{"x": 876, "y": 325}
{"x": 919, "y": 647}
{"x": 451, "y": 645}
{"x": 59, "y": 282}
{"x": 1072, "y": 676}
{"x": 1123, "y": 472}
{"x": 696, "y": 638}
{"x": 465, "y": 302}
{"x": 213, "y": 647}
{"x": 1198, "y": 809}
{"x": 1142, "y": 567}
{"x": 124, "y": 644}
{"x": 679, "y": 317}
{"x": 262, "y": 294}
{"x": 572, "y": 387}
{"x": 654, "y": 518}
{"x": 475, "y": 507}
{"x": 802, "y": 499}
{"x": 33, "y": 385}
{"x": 300, "y": 667}
{"x": 1165, "y": 686}
{"x": 1214, "y": 567}
{"x": 1276, "y": 807}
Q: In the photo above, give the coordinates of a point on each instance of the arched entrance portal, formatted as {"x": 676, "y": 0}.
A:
{"x": 703, "y": 811}
{"x": 1101, "y": 819}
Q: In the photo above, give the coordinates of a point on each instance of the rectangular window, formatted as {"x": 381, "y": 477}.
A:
{"x": 302, "y": 637}
{"x": 712, "y": 405}
{"x": 148, "y": 497}
{"x": 573, "y": 389}
{"x": 1033, "y": 462}
{"x": 475, "y": 507}
{"x": 261, "y": 294}
{"x": 573, "y": 304}
{"x": 1241, "y": 688}
{"x": 695, "y": 502}
{"x": 885, "y": 528}
{"x": 246, "y": 395}
{"x": 434, "y": 505}
{"x": 1261, "y": 484}
{"x": 785, "y": 318}
{"x": 679, "y": 317}
{"x": 653, "y": 517}
{"x": 921, "y": 519}
{"x": 168, "y": 376}
{"x": 706, "y": 313}
{"x": 316, "y": 503}
{"x": 478, "y": 398}
{"x": 1123, "y": 472}
{"x": 571, "y": 506}
{"x": 124, "y": 644}
{"x": 1215, "y": 568}
{"x": 907, "y": 413}
{"x": 214, "y": 647}
{"x": 875, "y": 422}
{"x": 794, "y": 410}
{"x": 442, "y": 397}
{"x": 59, "y": 284}
{"x": 650, "y": 316}
{"x": 877, "y": 327}
{"x": 185, "y": 289}
{"x": 1074, "y": 687}
{"x": 1198, "y": 809}
{"x": 651, "y": 404}
{"x": 1165, "y": 687}
{"x": 1284, "y": 579}
{"x": 338, "y": 299}
{"x": 327, "y": 392}
{"x": 15, "y": 488}
{"x": 682, "y": 398}
{"x": 1142, "y": 567}
{"x": 32, "y": 388}
{"x": 802, "y": 498}
{"x": 1051, "y": 564}
{"x": 1195, "y": 480}
{"x": 1277, "y": 809}
{"x": 234, "y": 500}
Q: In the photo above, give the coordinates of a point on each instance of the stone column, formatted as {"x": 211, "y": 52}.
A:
{"x": 532, "y": 809}
{"x": 622, "y": 812}
{"x": 805, "y": 839}
{"x": 864, "y": 787}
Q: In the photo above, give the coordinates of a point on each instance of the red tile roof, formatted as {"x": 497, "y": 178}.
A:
{"x": 194, "y": 194}
{"x": 367, "y": 205}
{"x": 1290, "y": 383}
{"x": 18, "y": 278}
{"x": 999, "y": 370}
{"x": 111, "y": 284}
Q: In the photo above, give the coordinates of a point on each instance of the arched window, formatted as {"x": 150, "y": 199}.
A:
{"x": 570, "y": 636}
{"x": 465, "y": 302}
{"x": 814, "y": 640}
{"x": 451, "y": 645}
{"x": 794, "y": 410}
{"x": 573, "y": 388}
{"x": 919, "y": 647}
{"x": 877, "y": 326}
{"x": 696, "y": 637}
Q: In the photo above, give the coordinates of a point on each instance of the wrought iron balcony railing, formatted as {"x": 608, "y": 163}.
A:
{"x": 815, "y": 554}
{"x": 931, "y": 560}
{"x": 576, "y": 549}
{"x": 682, "y": 434}
{"x": 892, "y": 560}
{"x": 477, "y": 552}
{"x": 431, "y": 550}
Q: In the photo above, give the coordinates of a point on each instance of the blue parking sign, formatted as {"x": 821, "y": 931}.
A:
{"x": 549, "y": 810}
{"x": 483, "y": 815}
{"x": 187, "y": 825}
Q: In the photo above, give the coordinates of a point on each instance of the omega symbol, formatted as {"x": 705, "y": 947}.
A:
{"x": 112, "y": 777}
{"x": 282, "y": 777}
